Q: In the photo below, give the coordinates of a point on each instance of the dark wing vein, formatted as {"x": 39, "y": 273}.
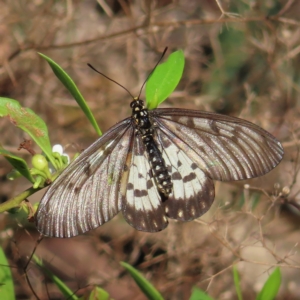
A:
{"x": 226, "y": 148}
{"x": 87, "y": 193}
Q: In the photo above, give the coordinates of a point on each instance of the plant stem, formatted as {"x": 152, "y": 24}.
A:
{"x": 14, "y": 202}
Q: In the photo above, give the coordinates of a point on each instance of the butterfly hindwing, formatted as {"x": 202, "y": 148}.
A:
{"x": 193, "y": 191}
{"x": 87, "y": 193}
{"x": 142, "y": 204}
{"x": 224, "y": 147}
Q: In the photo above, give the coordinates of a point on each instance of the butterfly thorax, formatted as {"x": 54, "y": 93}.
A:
{"x": 145, "y": 129}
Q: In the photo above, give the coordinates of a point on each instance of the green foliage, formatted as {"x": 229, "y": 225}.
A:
{"x": 68, "y": 294}
{"x": 28, "y": 121}
{"x": 99, "y": 294}
{"x": 198, "y": 294}
{"x": 72, "y": 88}
{"x": 6, "y": 281}
{"x": 147, "y": 288}
{"x": 237, "y": 285}
{"x": 164, "y": 79}
{"x": 18, "y": 163}
{"x": 271, "y": 286}
{"x": 268, "y": 292}
{"x": 96, "y": 294}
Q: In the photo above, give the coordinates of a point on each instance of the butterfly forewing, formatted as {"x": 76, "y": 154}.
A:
{"x": 224, "y": 147}
{"x": 142, "y": 207}
{"x": 87, "y": 193}
{"x": 193, "y": 192}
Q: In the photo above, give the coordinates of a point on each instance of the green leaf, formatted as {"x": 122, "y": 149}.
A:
{"x": 6, "y": 282}
{"x": 236, "y": 279}
{"x": 72, "y": 88}
{"x": 28, "y": 121}
{"x": 271, "y": 286}
{"x": 164, "y": 79}
{"x": 68, "y": 294}
{"x": 18, "y": 163}
{"x": 198, "y": 294}
{"x": 99, "y": 294}
{"x": 147, "y": 288}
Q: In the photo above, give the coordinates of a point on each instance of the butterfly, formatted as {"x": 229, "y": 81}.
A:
{"x": 154, "y": 165}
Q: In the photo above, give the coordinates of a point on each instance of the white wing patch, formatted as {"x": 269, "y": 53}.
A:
{"x": 142, "y": 205}
{"x": 193, "y": 192}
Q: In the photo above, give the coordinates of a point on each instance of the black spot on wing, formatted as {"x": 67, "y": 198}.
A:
{"x": 140, "y": 193}
{"x": 190, "y": 122}
{"x": 87, "y": 169}
{"x": 176, "y": 176}
{"x": 213, "y": 126}
{"x": 77, "y": 190}
{"x": 189, "y": 177}
{"x": 130, "y": 186}
{"x": 149, "y": 184}
{"x": 194, "y": 166}
{"x": 165, "y": 143}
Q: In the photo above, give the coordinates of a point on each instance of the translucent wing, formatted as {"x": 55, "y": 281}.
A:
{"x": 87, "y": 193}
{"x": 193, "y": 191}
{"x": 142, "y": 205}
{"x": 224, "y": 147}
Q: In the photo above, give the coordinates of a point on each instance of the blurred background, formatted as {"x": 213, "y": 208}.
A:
{"x": 242, "y": 59}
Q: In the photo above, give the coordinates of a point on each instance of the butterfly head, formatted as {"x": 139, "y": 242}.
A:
{"x": 137, "y": 104}
{"x": 140, "y": 113}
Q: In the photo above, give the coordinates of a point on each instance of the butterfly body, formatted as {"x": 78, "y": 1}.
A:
{"x": 156, "y": 164}
{"x": 146, "y": 129}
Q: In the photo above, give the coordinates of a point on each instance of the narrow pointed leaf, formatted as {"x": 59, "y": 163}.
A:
{"x": 18, "y": 163}
{"x": 164, "y": 79}
{"x": 72, "y": 88}
{"x": 6, "y": 282}
{"x": 271, "y": 286}
{"x": 236, "y": 279}
{"x": 28, "y": 121}
{"x": 68, "y": 294}
{"x": 147, "y": 288}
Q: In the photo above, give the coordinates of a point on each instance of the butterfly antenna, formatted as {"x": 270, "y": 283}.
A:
{"x": 110, "y": 79}
{"x": 163, "y": 54}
